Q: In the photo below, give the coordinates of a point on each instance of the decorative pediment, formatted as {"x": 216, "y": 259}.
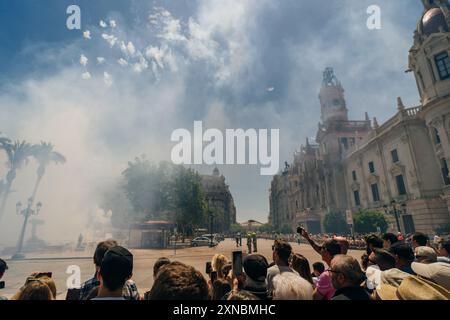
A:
{"x": 397, "y": 169}
{"x": 355, "y": 186}
{"x": 436, "y": 122}
{"x": 373, "y": 178}
{"x": 439, "y": 150}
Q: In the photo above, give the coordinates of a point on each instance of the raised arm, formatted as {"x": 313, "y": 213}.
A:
{"x": 314, "y": 245}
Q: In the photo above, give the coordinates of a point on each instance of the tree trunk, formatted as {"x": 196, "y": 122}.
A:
{"x": 4, "y": 199}
{"x": 36, "y": 186}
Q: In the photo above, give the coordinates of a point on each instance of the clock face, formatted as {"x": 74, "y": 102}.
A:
{"x": 336, "y": 103}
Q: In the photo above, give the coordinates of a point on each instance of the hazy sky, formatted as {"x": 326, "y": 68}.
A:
{"x": 118, "y": 91}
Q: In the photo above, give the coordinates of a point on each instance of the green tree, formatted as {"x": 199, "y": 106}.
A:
{"x": 367, "y": 221}
{"x": 266, "y": 228}
{"x": 147, "y": 187}
{"x": 235, "y": 228}
{"x": 189, "y": 200}
{"x": 285, "y": 229}
{"x": 335, "y": 222}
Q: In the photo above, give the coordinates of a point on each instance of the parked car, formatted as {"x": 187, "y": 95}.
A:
{"x": 203, "y": 241}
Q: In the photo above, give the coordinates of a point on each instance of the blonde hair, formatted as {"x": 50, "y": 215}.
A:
{"x": 217, "y": 262}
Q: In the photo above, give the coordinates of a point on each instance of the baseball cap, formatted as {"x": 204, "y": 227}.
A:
{"x": 426, "y": 253}
{"x": 255, "y": 267}
{"x": 117, "y": 262}
{"x": 438, "y": 272}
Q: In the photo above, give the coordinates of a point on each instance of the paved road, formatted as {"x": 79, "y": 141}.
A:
{"x": 143, "y": 263}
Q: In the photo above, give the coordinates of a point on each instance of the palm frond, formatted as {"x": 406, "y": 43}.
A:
{"x": 44, "y": 153}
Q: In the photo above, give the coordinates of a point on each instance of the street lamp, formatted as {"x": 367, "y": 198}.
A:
{"x": 26, "y": 213}
{"x": 210, "y": 223}
{"x": 393, "y": 210}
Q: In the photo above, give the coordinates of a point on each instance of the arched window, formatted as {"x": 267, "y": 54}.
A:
{"x": 437, "y": 136}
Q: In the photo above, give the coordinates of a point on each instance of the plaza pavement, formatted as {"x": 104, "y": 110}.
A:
{"x": 143, "y": 263}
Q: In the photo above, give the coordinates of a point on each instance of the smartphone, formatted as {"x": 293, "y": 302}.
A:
{"x": 213, "y": 276}
{"x": 208, "y": 267}
{"x": 44, "y": 274}
{"x": 2, "y": 284}
{"x": 300, "y": 230}
{"x": 237, "y": 263}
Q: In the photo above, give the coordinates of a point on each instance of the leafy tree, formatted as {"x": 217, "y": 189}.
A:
{"x": 115, "y": 200}
{"x": 154, "y": 191}
{"x": 335, "y": 222}
{"x": 189, "y": 200}
{"x": 367, "y": 221}
{"x": 266, "y": 228}
{"x": 285, "y": 229}
{"x": 235, "y": 228}
{"x": 147, "y": 187}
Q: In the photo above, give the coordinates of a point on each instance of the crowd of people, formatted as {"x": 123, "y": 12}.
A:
{"x": 390, "y": 269}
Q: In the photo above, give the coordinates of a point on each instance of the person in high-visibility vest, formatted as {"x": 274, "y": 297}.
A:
{"x": 249, "y": 243}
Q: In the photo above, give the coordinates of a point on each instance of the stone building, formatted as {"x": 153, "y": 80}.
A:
{"x": 399, "y": 168}
{"x": 220, "y": 200}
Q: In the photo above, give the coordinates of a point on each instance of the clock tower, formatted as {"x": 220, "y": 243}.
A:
{"x": 332, "y": 100}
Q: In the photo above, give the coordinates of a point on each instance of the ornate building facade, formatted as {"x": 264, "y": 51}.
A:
{"x": 398, "y": 167}
{"x": 220, "y": 201}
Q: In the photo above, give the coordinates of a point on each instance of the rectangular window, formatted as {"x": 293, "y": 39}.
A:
{"x": 354, "y": 175}
{"x": 344, "y": 142}
{"x": 437, "y": 137}
{"x": 357, "y": 199}
{"x": 443, "y": 65}
{"x": 371, "y": 167}
{"x": 375, "y": 192}
{"x": 445, "y": 172}
{"x": 352, "y": 142}
{"x": 400, "y": 185}
{"x": 394, "y": 155}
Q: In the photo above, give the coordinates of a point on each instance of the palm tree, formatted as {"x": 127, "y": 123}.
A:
{"x": 44, "y": 155}
{"x": 3, "y": 140}
{"x": 18, "y": 154}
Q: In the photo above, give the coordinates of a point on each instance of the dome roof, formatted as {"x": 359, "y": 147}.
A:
{"x": 433, "y": 20}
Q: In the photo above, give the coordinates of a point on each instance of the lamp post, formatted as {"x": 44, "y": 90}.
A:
{"x": 210, "y": 223}
{"x": 393, "y": 210}
{"x": 26, "y": 213}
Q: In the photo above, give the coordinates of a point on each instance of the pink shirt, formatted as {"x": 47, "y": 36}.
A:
{"x": 325, "y": 286}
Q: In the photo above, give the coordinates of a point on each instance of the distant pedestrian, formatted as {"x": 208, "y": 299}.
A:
{"x": 255, "y": 240}
{"x": 249, "y": 243}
